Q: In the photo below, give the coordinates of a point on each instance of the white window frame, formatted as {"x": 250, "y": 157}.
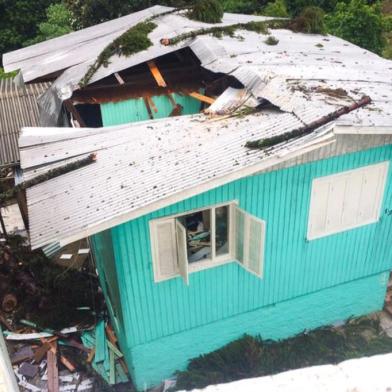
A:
{"x": 212, "y": 262}
{"x": 184, "y": 268}
{"x": 380, "y": 191}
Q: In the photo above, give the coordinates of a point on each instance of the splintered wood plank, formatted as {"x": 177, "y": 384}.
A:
{"x": 156, "y": 73}
{"x": 53, "y": 371}
{"x": 202, "y": 98}
{"x": 120, "y": 80}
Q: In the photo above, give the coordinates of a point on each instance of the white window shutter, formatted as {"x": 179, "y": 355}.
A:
{"x": 239, "y": 234}
{"x": 182, "y": 251}
{"x": 164, "y": 249}
{"x": 249, "y": 242}
{"x": 256, "y": 246}
{"x": 346, "y": 200}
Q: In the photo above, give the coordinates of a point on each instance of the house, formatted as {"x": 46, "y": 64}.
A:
{"x": 269, "y": 212}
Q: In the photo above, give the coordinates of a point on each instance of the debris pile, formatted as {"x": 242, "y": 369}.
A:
{"x": 48, "y": 314}
{"x": 106, "y": 359}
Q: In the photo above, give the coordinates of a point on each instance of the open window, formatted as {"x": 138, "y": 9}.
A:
{"x": 206, "y": 238}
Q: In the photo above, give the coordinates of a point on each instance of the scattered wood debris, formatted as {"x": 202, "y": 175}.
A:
{"x": 55, "y": 359}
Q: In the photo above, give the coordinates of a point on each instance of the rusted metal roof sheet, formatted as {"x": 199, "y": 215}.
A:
{"x": 18, "y": 108}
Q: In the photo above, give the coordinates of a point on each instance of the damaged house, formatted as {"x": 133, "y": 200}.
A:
{"x": 235, "y": 186}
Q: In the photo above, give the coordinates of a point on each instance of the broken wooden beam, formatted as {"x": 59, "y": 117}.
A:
{"x": 76, "y": 115}
{"x": 202, "y": 98}
{"x": 53, "y": 371}
{"x": 156, "y": 73}
{"x": 120, "y": 80}
{"x": 307, "y": 129}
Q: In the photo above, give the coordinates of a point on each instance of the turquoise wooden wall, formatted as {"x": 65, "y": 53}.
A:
{"x": 294, "y": 267}
{"x": 134, "y": 110}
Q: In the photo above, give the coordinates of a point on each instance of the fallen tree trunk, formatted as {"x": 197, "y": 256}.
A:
{"x": 307, "y": 129}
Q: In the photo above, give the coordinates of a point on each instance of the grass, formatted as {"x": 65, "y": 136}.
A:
{"x": 255, "y": 357}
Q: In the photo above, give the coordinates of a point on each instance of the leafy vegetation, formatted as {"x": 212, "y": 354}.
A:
{"x": 58, "y": 22}
{"x": 254, "y": 357}
{"x": 6, "y": 75}
{"x": 277, "y": 8}
{"x": 310, "y": 20}
{"x": 132, "y": 41}
{"x": 271, "y": 40}
{"x": 367, "y": 23}
{"x": 19, "y": 21}
{"x": 208, "y": 11}
{"x": 359, "y": 23}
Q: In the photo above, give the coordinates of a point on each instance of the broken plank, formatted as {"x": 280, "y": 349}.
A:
{"x": 120, "y": 80}
{"x": 110, "y": 334}
{"x": 41, "y": 352}
{"x": 64, "y": 360}
{"x": 156, "y": 73}
{"x": 202, "y": 98}
{"x": 112, "y": 370}
{"x": 115, "y": 350}
{"x": 90, "y": 355}
{"x": 53, "y": 371}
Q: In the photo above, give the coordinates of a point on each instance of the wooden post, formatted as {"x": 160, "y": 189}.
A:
{"x": 22, "y": 203}
{"x": 3, "y": 229}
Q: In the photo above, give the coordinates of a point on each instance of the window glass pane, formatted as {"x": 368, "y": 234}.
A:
{"x": 222, "y": 230}
{"x": 198, "y": 230}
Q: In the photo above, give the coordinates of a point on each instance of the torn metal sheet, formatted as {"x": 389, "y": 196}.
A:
{"x": 230, "y": 100}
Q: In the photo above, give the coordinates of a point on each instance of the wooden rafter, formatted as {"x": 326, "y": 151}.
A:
{"x": 120, "y": 80}
{"x": 202, "y": 98}
{"x": 156, "y": 73}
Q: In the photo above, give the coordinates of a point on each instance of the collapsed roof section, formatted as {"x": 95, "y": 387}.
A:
{"x": 264, "y": 70}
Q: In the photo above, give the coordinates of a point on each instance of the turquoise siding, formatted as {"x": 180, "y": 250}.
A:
{"x": 134, "y": 110}
{"x": 157, "y": 360}
{"x": 294, "y": 268}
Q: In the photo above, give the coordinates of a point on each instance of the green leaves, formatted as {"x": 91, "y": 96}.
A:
{"x": 359, "y": 23}
{"x": 58, "y": 23}
{"x": 207, "y": 11}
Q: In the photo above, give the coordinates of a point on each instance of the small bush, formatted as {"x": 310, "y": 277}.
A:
{"x": 310, "y": 21}
{"x": 207, "y": 11}
{"x": 271, "y": 40}
{"x": 277, "y": 9}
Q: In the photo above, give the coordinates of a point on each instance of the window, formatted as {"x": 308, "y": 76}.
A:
{"x": 205, "y": 238}
{"x": 346, "y": 200}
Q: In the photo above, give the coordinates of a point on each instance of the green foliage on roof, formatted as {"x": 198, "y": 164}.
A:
{"x": 134, "y": 40}
{"x": 7, "y": 75}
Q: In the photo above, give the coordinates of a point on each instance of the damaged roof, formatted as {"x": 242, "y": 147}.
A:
{"x": 144, "y": 166}
{"x": 261, "y": 68}
{"x": 18, "y": 108}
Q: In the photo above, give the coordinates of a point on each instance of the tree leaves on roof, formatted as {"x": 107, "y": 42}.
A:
{"x": 134, "y": 40}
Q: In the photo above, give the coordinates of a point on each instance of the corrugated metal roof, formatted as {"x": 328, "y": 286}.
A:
{"x": 144, "y": 166}
{"x": 263, "y": 69}
{"x": 18, "y": 108}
